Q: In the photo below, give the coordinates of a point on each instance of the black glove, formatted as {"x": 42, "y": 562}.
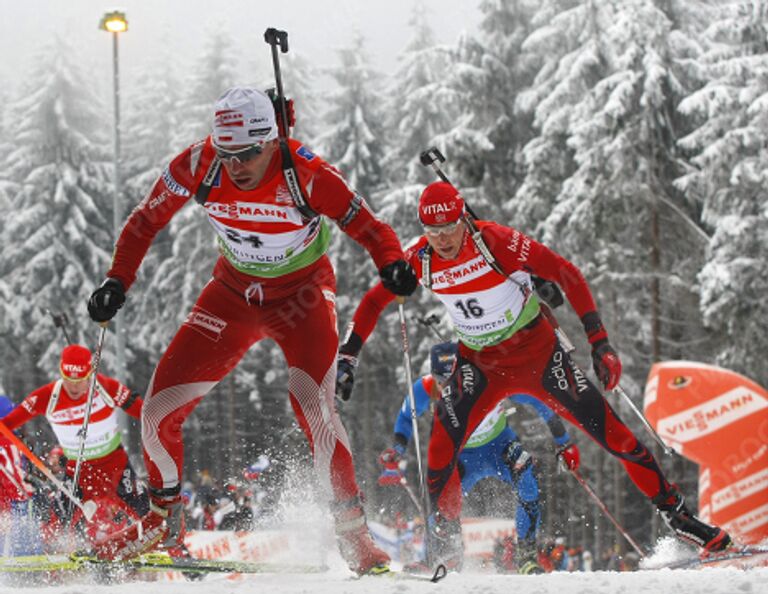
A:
{"x": 345, "y": 376}
{"x": 106, "y": 300}
{"x": 399, "y": 278}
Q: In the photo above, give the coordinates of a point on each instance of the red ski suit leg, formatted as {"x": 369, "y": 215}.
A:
{"x": 227, "y": 319}
{"x": 530, "y": 362}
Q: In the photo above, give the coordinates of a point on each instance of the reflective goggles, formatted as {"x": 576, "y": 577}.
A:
{"x": 75, "y": 380}
{"x": 242, "y": 155}
{"x": 435, "y": 230}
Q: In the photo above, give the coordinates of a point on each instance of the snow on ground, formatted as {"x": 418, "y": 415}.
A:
{"x": 314, "y": 548}
{"x": 663, "y": 581}
{"x": 338, "y": 580}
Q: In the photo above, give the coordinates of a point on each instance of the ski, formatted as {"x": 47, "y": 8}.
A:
{"x": 748, "y": 556}
{"x": 438, "y": 574}
{"x": 147, "y": 562}
{"x": 431, "y": 576}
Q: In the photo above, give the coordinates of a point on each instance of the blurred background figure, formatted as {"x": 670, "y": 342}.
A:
{"x": 19, "y": 529}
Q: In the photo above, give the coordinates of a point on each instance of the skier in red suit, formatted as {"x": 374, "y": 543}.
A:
{"x": 272, "y": 280}
{"x": 507, "y": 346}
{"x": 106, "y": 474}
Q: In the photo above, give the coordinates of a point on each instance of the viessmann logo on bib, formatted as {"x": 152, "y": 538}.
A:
{"x": 244, "y": 211}
{"x": 451, "y": 276}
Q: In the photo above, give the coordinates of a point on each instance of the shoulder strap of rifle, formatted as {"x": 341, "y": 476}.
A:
{"x": 294, "y": 187}
{"x": 204, "y": 189}
{"x": 289, "y": 171}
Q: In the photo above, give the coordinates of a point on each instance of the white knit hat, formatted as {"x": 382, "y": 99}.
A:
{"x": 243, "y": 116}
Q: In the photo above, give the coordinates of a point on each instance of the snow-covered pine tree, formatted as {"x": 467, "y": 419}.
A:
{"x": 147, "y": 131}
{"x": 300, "y": 84}
{"x": 355, "y": 139}
{"x": 355, "y": 142}
{"x": 599, "y": 175}
{"x": 730, "y": 168}
{"x": 416, "y": 103}
{"x": 212, "y": 72}
{"x": 466, "y": 142}
{"x": 504, "y": 27}
{"x": 56, "y": 246}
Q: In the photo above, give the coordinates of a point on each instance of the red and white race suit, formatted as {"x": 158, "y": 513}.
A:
{"x": 507, "y": 347}
{"x": 272, "y": 280}
{"x": 104, "y": 459}
{"x": 12, "y": 485}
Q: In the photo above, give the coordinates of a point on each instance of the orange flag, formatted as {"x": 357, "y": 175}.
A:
{"x": 719, "y": 419}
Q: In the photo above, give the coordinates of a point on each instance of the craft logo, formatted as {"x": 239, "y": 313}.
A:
{"x": 156, "y": 201}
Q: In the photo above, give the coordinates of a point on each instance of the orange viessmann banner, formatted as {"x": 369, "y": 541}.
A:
{"x": 718, "y": 419}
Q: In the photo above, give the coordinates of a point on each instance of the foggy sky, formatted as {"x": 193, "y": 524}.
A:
{"x": 315, "y": 27}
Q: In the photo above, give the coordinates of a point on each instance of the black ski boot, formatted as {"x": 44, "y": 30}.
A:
{"x": 686, "y": 526}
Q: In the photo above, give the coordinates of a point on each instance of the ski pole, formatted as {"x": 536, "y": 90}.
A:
{"x": 87, "y": 507}
{"x": 412, "y": 404}
{"x": 440, "y": 571}
{"x": 607, "y": 513}
{"x": 430, "y": 322}
{"x": 60, "y": 321}
{"x": 404, "y": 483}
{"x": 83, "y": 432}
{"x": 667, "y": 449}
